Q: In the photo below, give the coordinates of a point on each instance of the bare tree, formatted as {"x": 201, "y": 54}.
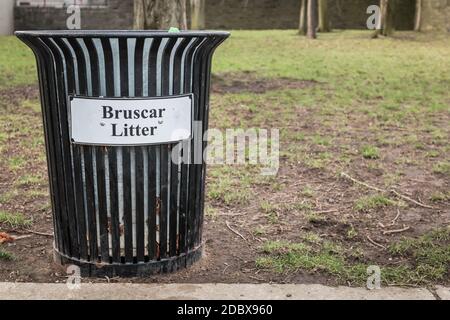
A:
{"x": 159, "y": 14}
{"x": 324, "y": 22}
{"x": 418, "y": 17}
{"x": 387, "y": 19}
{"x": 312, "y": 20}
{"x": 303, "y": 16}
{"x": 197, "y": 14}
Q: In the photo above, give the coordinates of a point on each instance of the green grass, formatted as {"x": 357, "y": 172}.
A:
{"x": 34, "y": 105}
{"x": 442, "y": 167}
{"x": 230, "y": 185}
{"x": 313, "y": 218}
{"x": 9, "y": 195}
{"x": 211, "y": 212}
{"x": 373, "y": 202}
{"x": 370, "y": 152}
{"x": 307, "y": 192}
{"x": 440, "y": 196}
{"x": 17, "y": 65}
{"x": 29, "y": 179}
{"x": 427, "y": 259}
{"x": 312, "y": 237}
{"x": 430, "y": 254}
{"x": 366, "y": 99}
{"x": 282, "y": 53}
{"x": 16, "y": 162}
{"x": 259, "y": 231}
{"x": 432, "y": 154}
{"x": 327, "y": 257}
{"x": 391, "y": 76}
{"x": 321, "y": 140}
{"x": 5, "y": 255}
{"x": 352, "y": 233}
{"x": 268, "y": 207}
{"x": 14, "y": 220}
{"x": 302, "y": 205}
{"x": 270, "y": 210}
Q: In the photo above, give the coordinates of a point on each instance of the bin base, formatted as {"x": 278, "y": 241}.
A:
{"x": 141, "y": 269}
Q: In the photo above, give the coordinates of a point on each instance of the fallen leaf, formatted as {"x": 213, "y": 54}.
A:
{"x": 5, "y": 238}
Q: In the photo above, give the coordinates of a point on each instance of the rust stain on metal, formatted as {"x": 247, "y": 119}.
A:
{"x": 158, "y": 212}
{"x": 108, "y": 227}
{"x": 158, "y": 215}
{"x": 158, "y": 206}
{"x": 157, "y": 250}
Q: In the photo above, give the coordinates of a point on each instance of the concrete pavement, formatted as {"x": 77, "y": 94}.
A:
{"x": 128, "y": 291}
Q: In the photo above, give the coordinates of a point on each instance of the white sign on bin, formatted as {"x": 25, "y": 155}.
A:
{"x": 130, "y": 121}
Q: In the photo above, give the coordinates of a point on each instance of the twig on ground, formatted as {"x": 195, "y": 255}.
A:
{"x": 396, "y": 231}
{"x": 234, "y": 231}
{"x": 23, "y": 237}
{"x": 412, "y": 200}
{"x": 345, "y": 175}
{"x": 34, "y": 232}
{"x": 50, "y": 235}
{"x": 376, "y": 243}
{"x": 393, "y": 222}
{"x": 403, "y": 285}
{"x": 326, "y": 211}
{"x": 396, "y": 217}
{"x": 108, "y": 279}
{"x": 418, "y": 180}
{"x": 231, "y": 214}
{"x": 256, "y": 278}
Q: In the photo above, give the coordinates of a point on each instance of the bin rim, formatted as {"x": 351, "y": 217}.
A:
{"x": 121, "y": 33}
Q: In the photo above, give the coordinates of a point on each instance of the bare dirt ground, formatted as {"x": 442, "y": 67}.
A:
{"x": 310, "y": 200}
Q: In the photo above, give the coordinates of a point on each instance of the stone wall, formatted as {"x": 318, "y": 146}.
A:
{"x": 117, "y": 15}
{"x": 436, "y": 15}
{"x": 220, "y": 14}
{"x": 239, "y": 14}
{"x": 277, "y": 14}
{"x": 252, "y": 14}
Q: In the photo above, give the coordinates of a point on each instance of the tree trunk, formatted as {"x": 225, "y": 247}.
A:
{"x": 159, "y": 14}
{"x": 324, "y": 22}
{"x": 418, "y": 17}
{"x": 387, "y": 20}
{"x": 312, "y": 23}
{"x": 197, "y": 9}
{"x": 302, "y": 27}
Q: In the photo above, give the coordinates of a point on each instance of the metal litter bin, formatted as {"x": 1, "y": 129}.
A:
{"x": 120, "y": 205}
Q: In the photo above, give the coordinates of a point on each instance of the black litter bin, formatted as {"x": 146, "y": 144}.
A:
{"x": 111, "y": 104}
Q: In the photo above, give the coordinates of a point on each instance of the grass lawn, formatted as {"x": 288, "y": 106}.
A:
{"x": 364, "y": 174}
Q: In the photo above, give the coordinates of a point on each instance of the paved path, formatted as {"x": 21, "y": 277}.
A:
{"x": 86, "y": 291}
